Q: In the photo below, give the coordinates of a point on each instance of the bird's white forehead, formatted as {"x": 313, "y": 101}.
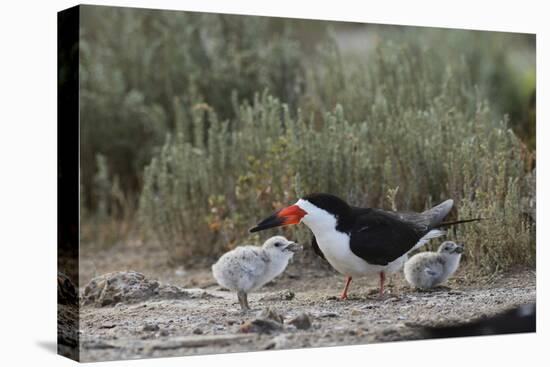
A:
{"x": 307, "y": 206}
{"x": 315, "y": 215}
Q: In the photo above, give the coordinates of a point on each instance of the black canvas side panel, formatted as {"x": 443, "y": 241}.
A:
{"x": 67, "y": 182}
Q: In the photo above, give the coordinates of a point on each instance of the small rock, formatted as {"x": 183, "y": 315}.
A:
{"x": 107, "y": 326}
{"x": 392, "y": 299}
{"x": 151, "y": 327}
{"x": 370, "y": 307}
{"x": 260, "y": 326}
{"x": 286, "y": 295}
{"x": 270, "y": 314}
{"x": 198, "y": 331}
{"x": 356, "y": 312}
{"x": 302, "y": 321}
{"x": 329, "y": 315}
{"x": 164, "y": 332}
{"x": 171, "y": 292}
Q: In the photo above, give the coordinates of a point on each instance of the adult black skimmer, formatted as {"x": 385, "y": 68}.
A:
{"x": 361, "y": 241}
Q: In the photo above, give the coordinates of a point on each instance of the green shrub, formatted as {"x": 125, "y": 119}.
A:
{"x": 137, "y": 66}
{"x": 425, "y": 131}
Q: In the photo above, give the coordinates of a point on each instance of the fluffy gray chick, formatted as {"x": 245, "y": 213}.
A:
{"x": 428, "y": 269}
{"x": 247, "y": 268}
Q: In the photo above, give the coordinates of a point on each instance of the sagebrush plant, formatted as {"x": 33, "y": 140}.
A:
{"x": 138, "y": 66}
{"x": 416, "y": 124}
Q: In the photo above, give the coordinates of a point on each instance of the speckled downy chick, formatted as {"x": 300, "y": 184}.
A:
{"x": 428, "y": 269}
{"x": 247, "y": 268}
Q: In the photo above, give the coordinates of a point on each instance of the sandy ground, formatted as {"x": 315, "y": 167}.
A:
{"x": 207, "y": 319}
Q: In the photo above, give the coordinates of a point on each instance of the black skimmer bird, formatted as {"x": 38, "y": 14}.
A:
{"x": 428, "y": 269}
{"x": 247, "y": 268}
{"x": 361, "y": 241}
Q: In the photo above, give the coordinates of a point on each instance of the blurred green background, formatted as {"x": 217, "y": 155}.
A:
{"x": 194, "y": 126}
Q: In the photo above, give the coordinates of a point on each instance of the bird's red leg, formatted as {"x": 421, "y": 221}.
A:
{"x": 382, "y": 279}
{"x": 345, "y": 292}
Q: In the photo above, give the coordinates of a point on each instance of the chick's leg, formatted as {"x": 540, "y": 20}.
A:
{"x": 243, "y": 300}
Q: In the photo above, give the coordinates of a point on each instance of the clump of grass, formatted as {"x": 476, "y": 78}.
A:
{"x": 426, "y": 131}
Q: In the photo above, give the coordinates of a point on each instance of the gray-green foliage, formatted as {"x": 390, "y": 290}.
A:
{"x": 138, "y": 66}
{"x": 406, "y": 120}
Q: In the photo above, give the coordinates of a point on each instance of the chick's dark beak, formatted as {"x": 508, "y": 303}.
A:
{"x": 289, "y": 215}
{"x": 459, "y": 248}
{"x": 294, "y": 247}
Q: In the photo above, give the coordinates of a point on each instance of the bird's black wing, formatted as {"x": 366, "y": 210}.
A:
{"x": 316, "y": 248}
{"x": 380, "y": 237}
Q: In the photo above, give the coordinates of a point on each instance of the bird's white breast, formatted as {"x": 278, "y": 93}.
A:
{"x": 335, "y": 245}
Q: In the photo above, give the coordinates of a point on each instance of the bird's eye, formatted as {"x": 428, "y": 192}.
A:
{"x": 278, "y": 244}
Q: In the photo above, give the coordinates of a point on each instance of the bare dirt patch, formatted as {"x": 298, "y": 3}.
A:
{"x": 202, "y": 318}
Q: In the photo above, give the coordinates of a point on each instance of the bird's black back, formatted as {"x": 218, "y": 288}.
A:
{"x": 379, "y": 237}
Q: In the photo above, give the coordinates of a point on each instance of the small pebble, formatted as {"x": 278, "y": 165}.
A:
{"x": 370, "y": 307}
{"x": 150, "y": 327}
{"x": 302, "y": 321}
{"x": 329, "y": 314}
{"x": 107, "y": 326}
{"x": 270, "y": 314}
{"x": 260, "y": 326}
